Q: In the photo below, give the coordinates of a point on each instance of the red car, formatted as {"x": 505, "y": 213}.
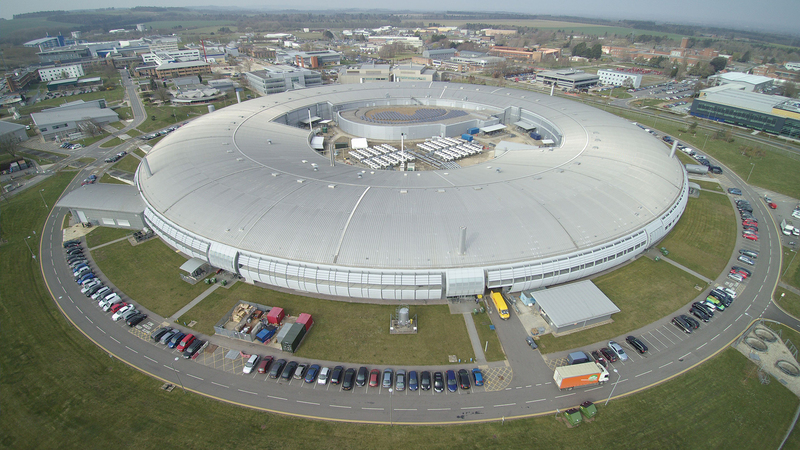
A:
{"x": 743, "y": 274}
{"x": 373, "y": 377}
{"x": 610, "y": 356}
{"x": 752, "y": 237}
{"x": 117, "y": 306}
{"x": 185, "y": 342}
{"x": 750, "y": 223}
{"x": 772, "y": 205}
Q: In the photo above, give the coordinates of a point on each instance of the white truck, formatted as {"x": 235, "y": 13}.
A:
{"x": 788, "y": 229}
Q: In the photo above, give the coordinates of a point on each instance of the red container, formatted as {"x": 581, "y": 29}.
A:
{"x": 306, "y": 320}
{"x": 275, "y": 315}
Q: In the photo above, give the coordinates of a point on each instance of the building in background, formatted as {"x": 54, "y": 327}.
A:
{"x": 616, "y": 78}
{"x": 74, "y": 117}
{"x": 365, "y": 73}
{"x": 60, "y": 72}
{"x": 525, "y": 54}
{"x": 569, "y": 78}
{"x": 18, "y": 80}
{"x": 275, "y": 79}
{"x": 751, "y": 83}
{"x": 311, "y": 59}
{"x": 413, "y": 72}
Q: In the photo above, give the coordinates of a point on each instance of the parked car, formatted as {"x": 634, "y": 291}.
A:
{"x": 361, "y": 377}
{"x": 349, "y": 376}
{"x": 374, "y": 376}
{"x": 289, "y": 370}
{"x": 477, "y": 376}
{"x": 531, "y": 342}
{"x": 772, "y": 205}
{"x": 311, "y": 373}
{"x": 637, "y": 344}
{"x": 388, "y": 376}
{"x": 695, "y": 324}
{"x": 136, "y": 320}
{"x": 400, "y": 380}
{"x": 751, "y": 237}
{"x": 746, "y": 260}
{"x": 438, "y": 382}
{"x": 463, "y": 379}
{"x": 121, "y": 311}
{"x": 736, "y": 277}
{"x": 336, "y": 376}
{"x": 117, "y": 307}
{"x": 185, "y": 342}
{"x": 166, "y": 337}
{"x": 413, "y": 384}
{"x": 263, "y": 366}
{"x": 277, "y": 368}
{"x": 699, "y": 313}
{"x": 617, "y": 349}
{"x": 156, "y": 335}
{"x": 300, "y": 371}
{"x": 176, "y": 340}
{"x": 608, "y": 354}
{"x": 682, "y": 324}
{"x": 324, "y": 375}
{"x": 193, "y": 348}
{"x": 734, "y": 191}
{"x": 251, "y": 363}
{"x": 452, "y": 385}
{"x": 752, "y": 254}
{"x": 598, "y": 358}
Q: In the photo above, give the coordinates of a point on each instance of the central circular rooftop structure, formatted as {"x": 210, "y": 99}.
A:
{"x": 242, "y": 189}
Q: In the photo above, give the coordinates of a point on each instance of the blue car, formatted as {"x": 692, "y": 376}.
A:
{"x": 477, "y": 376}
{"x": 413, "y": 385}
{"x": 452, "y": 385}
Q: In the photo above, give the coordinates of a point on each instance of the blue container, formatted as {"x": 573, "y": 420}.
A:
{"x": 466, "y": 137}
{"x": 536, "y": 136}
{"x": 473, "y": 131}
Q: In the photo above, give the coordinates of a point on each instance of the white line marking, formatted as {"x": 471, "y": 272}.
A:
{"x": 405, "y": 409}
{"x": 534, "y": 401}
{"x": 726, "y": 328}
{"x": 112, "y": 337}
{"x": 220, "y": 385}
{"x": 737, "y": 319}
{"x": 372, "y": 409}
{"x": 508, "y": 389}
{"x": 665, "y": 365}
{"x": 76, "y": 307}
{"x": 151, "y": 359}
{"x": 100, "y": 329}
{"x": 90, "y": 320}
{"x": 714, "y": 337}
{"x": 539, "y": 384}
{"x": 248, "y": 392}
{"x": 170, "y": 368}
{"x": 665, "y": 336}
{"x": 549, "y": 382}
{"x": 438, "y": 409}
{"x": 565, "y": 395}
{"x": 593, "y": 389}
{"x": 194, "y": 376}
{"x": 643, "y": 373}
{"x": 748, "y": 308}
{"x": 759, "y": 289}
{"x": 684, "y": 356}
{"x": 528, "y": 386}
{"x": 504, "y": 404}
{"x": 134, "y": 351}
{"x": 335, "y": 406}
{"x": 698, "y": 348}
{"x": 472, "y": 407}
{"x": 518, "y": 387}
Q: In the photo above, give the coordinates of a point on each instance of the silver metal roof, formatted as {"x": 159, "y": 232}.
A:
{"x": 742, "y": 99}
{"x": 218, "y": 177}
{"x": 574, "y": 303}
{"x": 104, "y": 197}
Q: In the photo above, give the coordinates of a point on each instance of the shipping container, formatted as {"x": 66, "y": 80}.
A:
{"x": 306, "y": 320}
{"x": 293, "y": 338}
{"x": 536, "y": 136}
{"x": 474, "y": 130}
{"x": 275, "y": 315}
{"x": 282, "y": 333}
{"x": 696, "y": 169}
{"x": 467, "y": 137}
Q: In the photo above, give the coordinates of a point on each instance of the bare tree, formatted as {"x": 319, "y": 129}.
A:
{"x": 9, "y": 144}
{"x": 162, "y": 94}
{"x": 246, "y": 65}
{"x": 89, "y": 127}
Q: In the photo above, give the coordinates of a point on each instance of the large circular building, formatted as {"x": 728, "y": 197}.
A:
{"x": 242, "y": 189}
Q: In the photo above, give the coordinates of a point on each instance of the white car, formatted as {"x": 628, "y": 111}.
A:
{"x": 729, "y": 291}
{"x": 616, "y": 348}
{"x": 323, "y": 376}
{"x": 94, "y": 282}
{"x": 118, "y": 315}
{"x": 735, "y": 277}
{"x": 251, "y": 363}
{"x": 796, "y": 213}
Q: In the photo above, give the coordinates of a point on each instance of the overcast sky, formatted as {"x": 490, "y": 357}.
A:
{"x": 777, "y": 15}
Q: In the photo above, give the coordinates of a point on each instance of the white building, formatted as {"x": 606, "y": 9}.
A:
{"x": 751, "y": 83}
{"x": 275, "y": 79}
{"x": 161, "y": 57}
{"x": 616, "y": 78}
{"x": 57, "y": 73}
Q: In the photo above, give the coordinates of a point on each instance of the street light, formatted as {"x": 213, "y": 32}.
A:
{"x": 752, "y": 166}
{"x": 42, "y": 196}
{"x": 619, "y": 375}
{"x": 29, "y": 247}
{"x": 176, "y": 374}
{"x": 391, "y": 406}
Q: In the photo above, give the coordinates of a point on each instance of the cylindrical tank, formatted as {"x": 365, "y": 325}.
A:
{"x": 211, "y": 108}
{"x": 403, "y": 315}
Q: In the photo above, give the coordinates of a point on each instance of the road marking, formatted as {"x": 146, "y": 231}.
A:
{"x": 714, "y": 337}
{"x": 592, "y": 389}
{"x": 436, "y": 409}
{"x": 665, "y": 365}
{"x": 151, "y": 359}
{"x": 565, "y": 395}
{"x": 222, "y": 385}
{"x": 372, "y": 409}
{"x": 90, "y": 320}
{"x": 508, "y": 389}
{"x": 76, "y": 307}
{"x": 528, "y": 386}
{"x": 684, "y": 356}
{"x": 534, "y": 401}
{"x": 194, "y": 376}
{"x": 112, "y": 337}
{"x": 170, "y": 368}
{"x": 100, "y": 329}
{"x": 472, "y": 407}
{"x": 549, "y": 382}
{"x": 539, "y": 384}
{"x": 644, "y": 373}
{"x": 748, "y": 308}
{"x": 665, "y": 336}
{"x": 408, "y": 409}
{"x": 134, "y": 351}
{"x": 726, "y": 328}
{"x": 698, "y": 348}
{"x": 737, "y": 319}
{"x": 272, "y": 396}
{"x": 759, "y": 289}
{"x": 518, "y": 387}
{"x": 248, "y": 392}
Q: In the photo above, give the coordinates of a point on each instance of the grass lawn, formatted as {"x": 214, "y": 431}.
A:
{"x": 40, "y": 160}
{"x": 789, "y": 301}
{"x": 124, "y": 112}
{"x": 127, "y": 164}
{"x": 86, "y": 160}
{"x": 493, "y": 350}
{"x": 106, "y": 178}
{"x": 684, "y": 158}
{"x": 148, "y": 274}
{"x": 647, "y": 102}
{"x": 91, "y": 140}
{"x": 358, "y": 332}
{"x": 160, "y": 117}
{"x": 666, "y": 289}
{"x": 704, "y": 238}
{"x": 209, "y": 311}
{"x": 140, "y": 153}
{"x": 111, "y": 97}
{"x": 709, "y": 185}
{"x": 101, "y": 235}
{"x": 620, "y": 92}
{"x": 113, "y": 142}
{"x": 117, "y": 125}
{"x": 133, "y": 133}
{"x": 791, "y": 267}
{"x": 72, "y": 389}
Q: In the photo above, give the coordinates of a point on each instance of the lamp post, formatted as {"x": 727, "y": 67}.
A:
{"x": 619, "y": 375}
{"x": 177, "y": 375}
{"x": 752, "y": 166}
{"x": 29, "y": 247}
{"x": 42, "y": 196}
{"x": 391, "y": 406}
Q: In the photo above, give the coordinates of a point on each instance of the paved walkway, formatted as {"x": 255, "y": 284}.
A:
{"x": 192, "y": 303}
{"x": 480, "y": 358}
{"x": 654, "y": 252}
{"x": 789, "y": 288}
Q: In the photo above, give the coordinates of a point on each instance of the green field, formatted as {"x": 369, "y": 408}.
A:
{"x": 709, "y": 185}
{"x": 353, "y": 332}
{"x": 101, "y": 235}
{"x": 113, "y": 142}
{"x": 791, "y": 267}
{"x": 493, "y": 350}
{"x": 140, "y": 153}
{"x": 789, "y": 301}
{"x": 704, "y": 237}
{"x": 188, "y": 24}
{"x": 106, "y": 178}
{"x": 42, "y": 160}
{"x": 166, "y": 116}
{"x": 569, "y": 27}
{"x": 148, "y": 274}
{"x": 129, "y": 163}
{"x": 664, "y": 290}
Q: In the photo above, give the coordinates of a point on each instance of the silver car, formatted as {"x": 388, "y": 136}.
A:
{"x": 616, "y": 348}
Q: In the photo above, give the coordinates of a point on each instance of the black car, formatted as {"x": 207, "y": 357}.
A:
{"x": 637, "y": 344}
{"x": 363, "y": 373}
{"x": 705, "y": 308}
{"x": 277, "y": 368}
{"x": 193, "y": 348}
{"x": 159, "y": 333}
{"x": 136, "y": 319}
{"x": 749, "y": 253}
{"x": 425, "y": 380}
{"x": 349, "y": 375}
{"x": 288, "y": 371}
{"x": 336, "y": 375}
{"x": 682, "y": 324}
{"x": 695, "y": 324}
{"x": 742, "y": 269}
{"x": 699, "y": 313}
{"x": 463, "y": 379}
{"x": 72, "y": 242}
{"x": 438, "y": 382}
{"x": 599, "y": 359}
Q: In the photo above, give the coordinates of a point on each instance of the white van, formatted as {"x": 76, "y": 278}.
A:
{"x": 251, "y": 363}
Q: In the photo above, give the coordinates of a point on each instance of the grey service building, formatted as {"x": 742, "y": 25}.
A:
{"x": 574, "y": 306}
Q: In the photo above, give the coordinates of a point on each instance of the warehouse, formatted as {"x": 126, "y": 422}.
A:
{"x": 616, "y": 78}
{"x": 72, "y": 117}
{"x": 573, "y": 306}
{"x": 276, "y": 213}
{"x": 106, "y": 204}
{"x": 570, "y": 79}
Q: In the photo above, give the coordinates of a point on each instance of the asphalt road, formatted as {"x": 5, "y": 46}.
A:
{"x": 530, "y": 390}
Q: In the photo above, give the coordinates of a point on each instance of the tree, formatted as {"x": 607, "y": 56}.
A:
{"x": 745, "y": 57}
{"x": 9, "y": 144}
{"x": 718, "y": 63}
{"x": 328, "y": 35}
{"x": 162, "y": 94}
{"x": 693, "y": 127}
{"x": 596, "y": 51}
{"x": 789, "y": 89}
